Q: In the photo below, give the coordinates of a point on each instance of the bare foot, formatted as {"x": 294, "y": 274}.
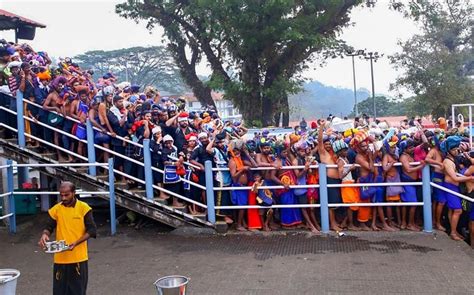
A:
{"x": 388, "y": 228}
{"x": 241, "y": 228}
{"x": 375, "y": 228}
{"x": 336, "y": 228}
{"x": 315, "y": 231}
{"x": 353, "y": 227}
{"x": 228, "y": 220}
{"x": 413, "y": 228}
{"x": 403, "y": 226}
{"x": 394, "y": 225}
{"x": 266, "y": 228}
{"x": 253, "y": 230}
{"x": 364, "y": 227}
{"x": 317, "y": 227}
{"x": 177, "y": 204}
{"x": 440, "y": 227}
{"x": 274, "y": 226}
{"x": 456, "y": 237}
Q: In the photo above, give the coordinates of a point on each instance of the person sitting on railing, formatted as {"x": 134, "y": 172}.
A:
{"x": 409, "y": 174}
{"x": 450, "y": 147}
{"x": 348, "y": 194}
{"x": 334, "y": 193}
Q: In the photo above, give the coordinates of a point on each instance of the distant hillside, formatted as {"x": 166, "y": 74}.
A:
{"x": 318, "y": 100}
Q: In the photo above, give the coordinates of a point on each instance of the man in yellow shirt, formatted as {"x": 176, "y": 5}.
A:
{"x": 75, "y": 224}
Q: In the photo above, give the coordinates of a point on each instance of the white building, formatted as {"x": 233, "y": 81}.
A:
{"x": 225, "y": 108}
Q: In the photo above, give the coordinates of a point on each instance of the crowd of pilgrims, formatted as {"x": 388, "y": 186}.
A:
{"x": 181, "y": 142}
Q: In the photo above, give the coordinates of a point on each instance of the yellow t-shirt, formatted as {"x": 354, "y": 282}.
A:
{"x": 70, "y": 227}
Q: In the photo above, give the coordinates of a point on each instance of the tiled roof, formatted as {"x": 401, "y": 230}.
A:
{"x": 9, "y": 21}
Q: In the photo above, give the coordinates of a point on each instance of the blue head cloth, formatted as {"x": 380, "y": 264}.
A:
{"x": 450, "y": 143}
{"x": 251, "y": 145}
{"x": 133, "y": 98}
{"x": 407, "y": 143}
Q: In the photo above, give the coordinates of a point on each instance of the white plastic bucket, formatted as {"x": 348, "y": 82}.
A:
{"x": 171, "y": 285}
{"x": 8, "y": 279}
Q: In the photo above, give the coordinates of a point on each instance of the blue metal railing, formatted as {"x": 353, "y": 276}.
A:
{"x": 91, "y": 146}
{"x": 11, "y": 210}
{"x": 209, "y": 188}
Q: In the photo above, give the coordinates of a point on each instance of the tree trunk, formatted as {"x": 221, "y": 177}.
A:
{"x": 250, "y": 101}
{"x": 286, "y": 112}
{"x": 188, "y": 72}
{"x": 276, "y": 119}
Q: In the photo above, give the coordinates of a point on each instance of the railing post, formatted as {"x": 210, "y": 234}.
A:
{"x": 19, "y": 119}
{"x": 427, "y": 211}
{"x": 113, "y": 219}
{"x": 148, "y": 171}
{"x": 90, "y": 147}
{"x": 211, "y": 212}
{"x": 11, "y": 198}
{"x": 323, "y": 198}
{"x": 22, "y": 171}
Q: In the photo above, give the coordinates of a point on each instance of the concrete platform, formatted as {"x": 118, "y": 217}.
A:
{"x": 249, "y": 263}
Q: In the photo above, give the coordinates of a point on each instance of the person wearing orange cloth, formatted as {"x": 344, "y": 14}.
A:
{"x": 349, "y": 194}
{"x": 240, "y": 173}
{"x": 364, "y": 158}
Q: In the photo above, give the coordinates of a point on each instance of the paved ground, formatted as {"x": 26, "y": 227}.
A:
{"x": 281, "y": 263}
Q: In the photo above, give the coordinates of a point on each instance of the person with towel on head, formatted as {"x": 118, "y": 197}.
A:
{"x": 450, "y": 147}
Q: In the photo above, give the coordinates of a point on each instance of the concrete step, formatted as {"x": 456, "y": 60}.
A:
{"x": 13, "y": 140}
{"x": 200, "y": 216}
{"x": 49, "y": 155}
{"x": 121, "y": 184}
{"x": 82, "y": 170}
{"x": 183, "y": 209}
{"x": 103, "y": 177}
{"x": 137, "y": 191}
{"x": 161, "y": 201}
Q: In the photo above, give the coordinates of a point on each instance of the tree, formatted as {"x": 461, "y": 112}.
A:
{"x": 144, "y": 66}
{"x": 385, "y": 107}
{"x": 438, "y": 64}
{"x": 255, "y": 48}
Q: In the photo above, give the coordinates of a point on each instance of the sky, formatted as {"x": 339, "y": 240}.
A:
{"x": 74, "y": 27}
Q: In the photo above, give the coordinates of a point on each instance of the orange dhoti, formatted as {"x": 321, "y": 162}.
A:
{"x": 350, "y": 194}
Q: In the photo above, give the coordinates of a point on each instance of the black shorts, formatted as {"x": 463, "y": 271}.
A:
{"x": 334, "y": 193}
{"x": 70, "y": 278}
